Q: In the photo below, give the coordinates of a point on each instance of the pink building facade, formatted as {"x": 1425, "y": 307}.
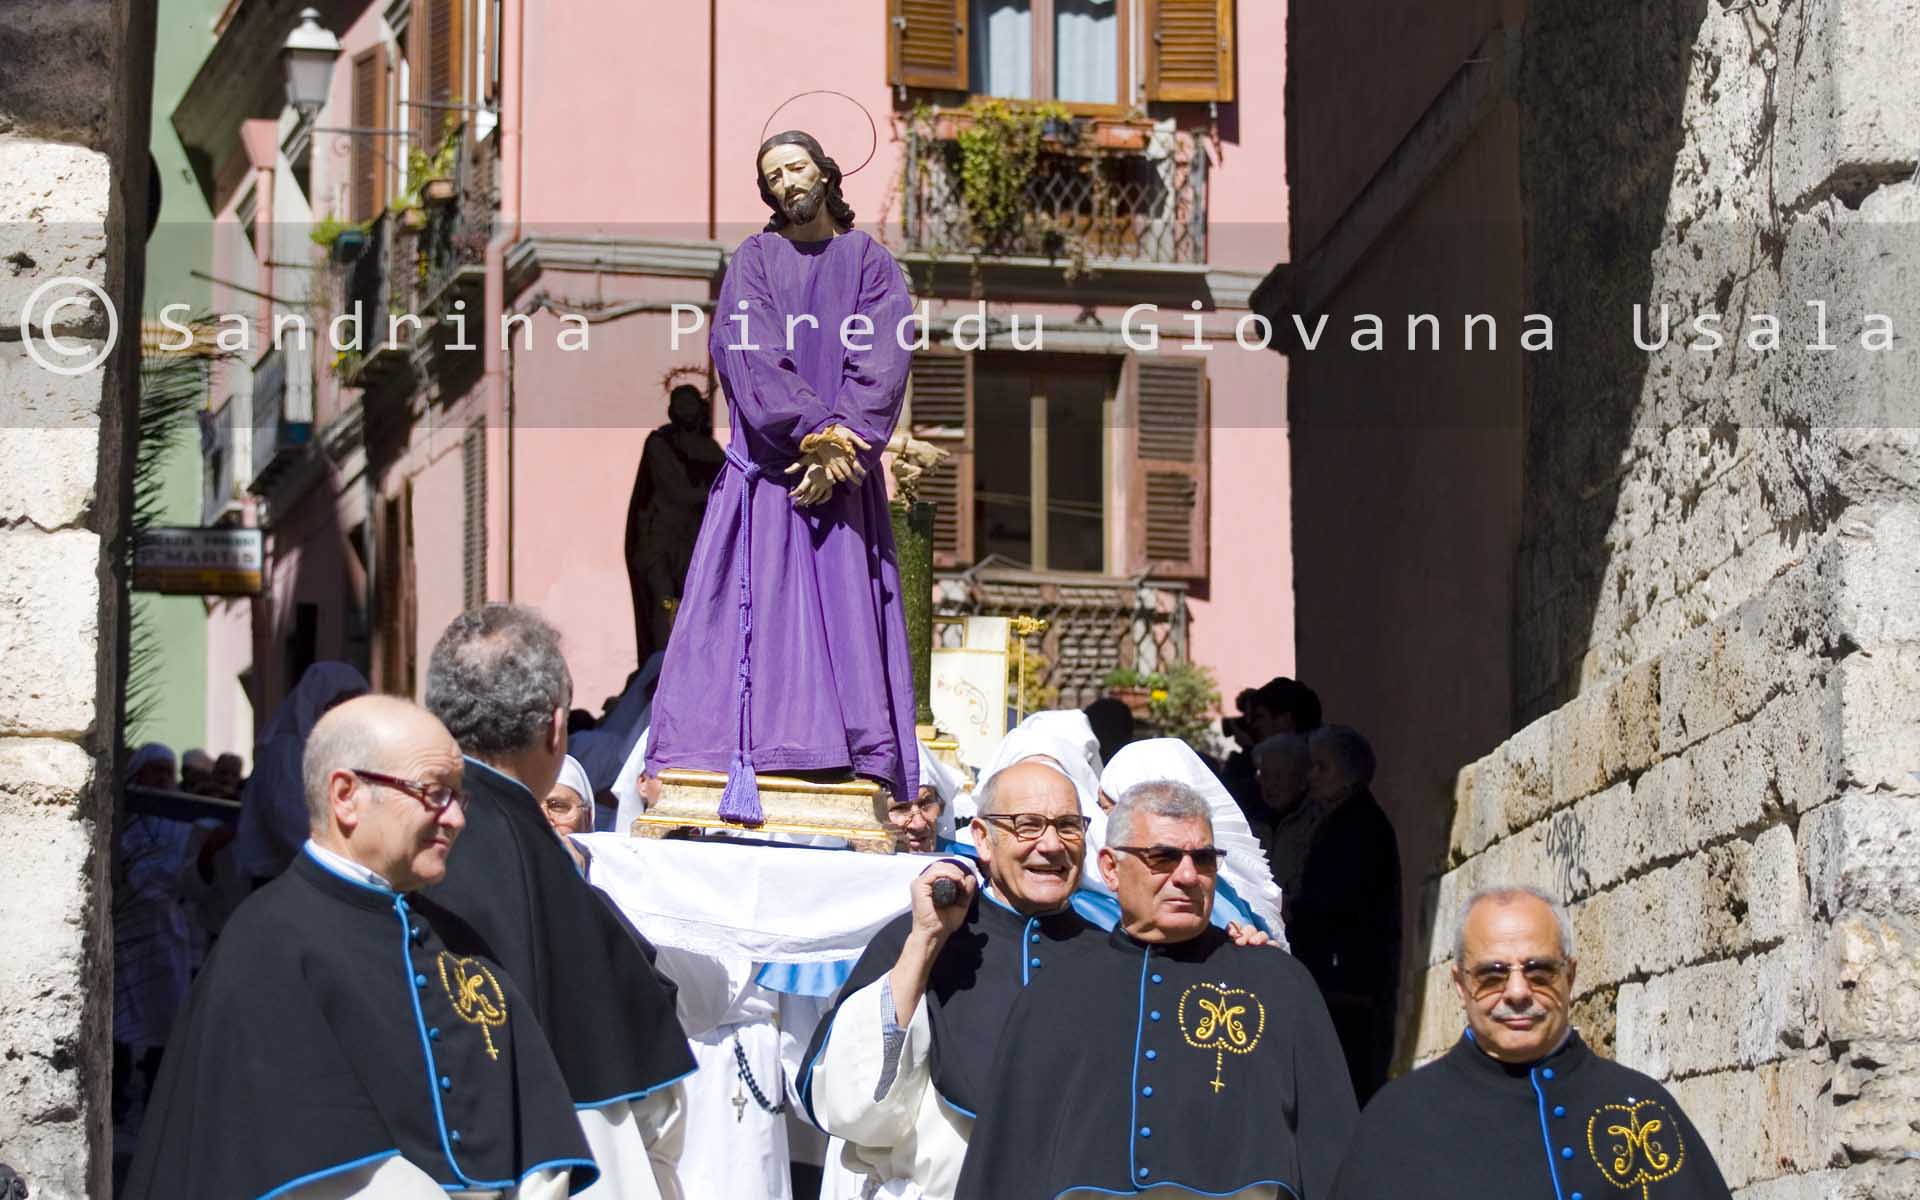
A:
{"x": 597, "y": 177}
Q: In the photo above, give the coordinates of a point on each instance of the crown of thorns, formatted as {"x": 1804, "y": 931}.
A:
{"x": 872, "y": 128}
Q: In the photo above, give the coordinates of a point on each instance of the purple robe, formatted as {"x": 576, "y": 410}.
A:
{"x": 796, "y": 610}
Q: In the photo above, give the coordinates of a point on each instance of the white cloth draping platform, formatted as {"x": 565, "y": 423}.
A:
{"x": 761, "y": 903}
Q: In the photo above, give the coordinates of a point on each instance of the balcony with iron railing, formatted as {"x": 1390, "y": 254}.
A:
{"x": 282, "y": 416}
{"x": 1088, "y": 193}
{"x": 460, "y": 223}
{"x": 226, "y": 442}
{"x": 1094, "y": 624}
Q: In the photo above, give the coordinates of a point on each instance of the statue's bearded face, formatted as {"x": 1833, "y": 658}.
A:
{"x": 795, "y": 180}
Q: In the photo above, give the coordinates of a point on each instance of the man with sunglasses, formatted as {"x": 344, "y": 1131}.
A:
{"x": 1522, "y": 1105}
{"x": 1163, "y": 1060}
{"x": 346, "y": 1038}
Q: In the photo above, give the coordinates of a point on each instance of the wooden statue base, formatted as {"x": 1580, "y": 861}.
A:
{"x": 854, "y": 809}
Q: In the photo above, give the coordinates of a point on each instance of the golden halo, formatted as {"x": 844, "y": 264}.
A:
{"x": 872, "y": 128}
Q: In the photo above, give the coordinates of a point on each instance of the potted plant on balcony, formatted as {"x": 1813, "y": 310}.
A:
{"x": 342, "y": 240}
{"x": 432, "y": 175}
{"x": 1131, "y": 688}
{"x": 1176, "y": 701}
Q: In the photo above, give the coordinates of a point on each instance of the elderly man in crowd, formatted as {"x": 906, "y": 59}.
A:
{"x": 924, "y": 825}
{"x": 1162, "y": 1060}
{"x": 346, "y": 1038}
{"x": 499, "y": 682}
{"x": 1521, "y": 1105}
{"x": 1344, "y": 922}
{"x": 900, "y": 1065}
{"x": 1292, "y": 814}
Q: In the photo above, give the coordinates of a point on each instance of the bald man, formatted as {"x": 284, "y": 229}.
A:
{"x": 347, "y": 1039}
{"x": 898, "y": 1066}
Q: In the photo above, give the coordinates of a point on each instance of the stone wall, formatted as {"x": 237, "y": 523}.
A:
{"x": 74, "y": 81}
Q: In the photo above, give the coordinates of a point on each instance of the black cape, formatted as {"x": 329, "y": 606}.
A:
{"x": 587, "y": 973}
{"x": 1571, "y": 1125}
{"x": 1200, "y": 1065}
{"x": 979, "y": 974}
{"x": 337, "y": 1024}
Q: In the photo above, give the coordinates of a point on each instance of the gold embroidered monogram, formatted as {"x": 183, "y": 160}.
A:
{"x": 475, "y": 995}
{"x": 1221, "y": 1019}
{"x": 1635, "y": 1145}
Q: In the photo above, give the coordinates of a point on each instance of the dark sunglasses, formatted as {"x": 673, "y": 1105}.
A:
{"x": 1164, "y": 860}
{"x": 1492, "y": 977}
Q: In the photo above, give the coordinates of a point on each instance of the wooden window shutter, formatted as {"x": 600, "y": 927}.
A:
{"x": 927, "y": 44}
{"x": 368, "y": 163}
{"x": 473, "y": 462}
{"x": 394, "y": 585}
{"x": 436, "y": 36}
{"x": 1190, "y": 50}
{"x": 941, "y": 400}
{"x": 1167, "y": 499}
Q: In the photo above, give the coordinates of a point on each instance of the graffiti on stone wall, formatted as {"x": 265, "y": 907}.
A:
{"x": 1567, "y": 846}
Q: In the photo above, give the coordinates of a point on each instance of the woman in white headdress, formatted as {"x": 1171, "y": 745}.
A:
{"x": 1246, "y": 889}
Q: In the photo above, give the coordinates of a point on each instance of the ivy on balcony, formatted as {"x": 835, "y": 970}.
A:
{"x": 1003, "y": 179}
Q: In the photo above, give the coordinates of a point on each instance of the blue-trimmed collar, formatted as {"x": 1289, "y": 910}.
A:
{"x": 497, "y": 773}
{"x": 353, "y": 872}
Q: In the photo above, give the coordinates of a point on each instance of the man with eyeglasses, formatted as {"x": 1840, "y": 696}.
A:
{"x": 346, "y": 1038}
{"x": 899, "y": 1067}
{"x": 1163, "y": 1060}
{"x": 499, "y": 681}
{"x": 1521, "y": 1105}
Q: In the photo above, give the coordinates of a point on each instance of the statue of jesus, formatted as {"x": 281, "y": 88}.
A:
{"x": 789, "y": 650}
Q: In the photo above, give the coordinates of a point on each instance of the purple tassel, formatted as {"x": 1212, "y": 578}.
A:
{"x": 740, "y": 803}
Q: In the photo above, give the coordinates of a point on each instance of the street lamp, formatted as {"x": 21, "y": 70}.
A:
{"x": 307, "y": 60}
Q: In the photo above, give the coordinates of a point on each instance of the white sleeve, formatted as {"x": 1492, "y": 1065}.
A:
{"x": 637, "y": 1146}
{"x": 847, "y": 1078}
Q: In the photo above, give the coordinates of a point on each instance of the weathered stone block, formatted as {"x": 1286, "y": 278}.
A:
{"x": 1876, "y": 1096}
{"x": 49, "y": 631}
{"x": 43, "y": 908}
{"x": 1519, "y": 784}
{"x": 43, "y": 772}
{"x": 1863, "y": 856}
{"x": 1460, "y": 832}
{"x": 1731, "y": 1013}
{"x": 1762, "y": 1122}
{"x": 52, "y": 221}
{"x": 1872, "y": 980}
{"x": 1879, "y": 701}
{"x": 1845, "y": 109}
{"x": 49, "y": 441}
{"x": 1700, "y": 908}
{"x": 1579, "y": 746}
{"x": 1878, "y": 553}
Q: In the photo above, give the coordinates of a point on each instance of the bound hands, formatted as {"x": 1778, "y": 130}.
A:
{"x": 827, "y": 458}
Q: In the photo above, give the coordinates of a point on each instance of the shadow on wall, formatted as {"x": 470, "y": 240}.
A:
{"x": 1453, "y": 505}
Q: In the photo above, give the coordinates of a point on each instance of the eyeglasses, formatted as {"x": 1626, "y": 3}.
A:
{"x": 1489, "y": 978}
{"x": 1030, "y": 827}
{"x": 1164, "y": 860}
{"x": 562, "y": 808}
{"x": 436, "y": 796}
